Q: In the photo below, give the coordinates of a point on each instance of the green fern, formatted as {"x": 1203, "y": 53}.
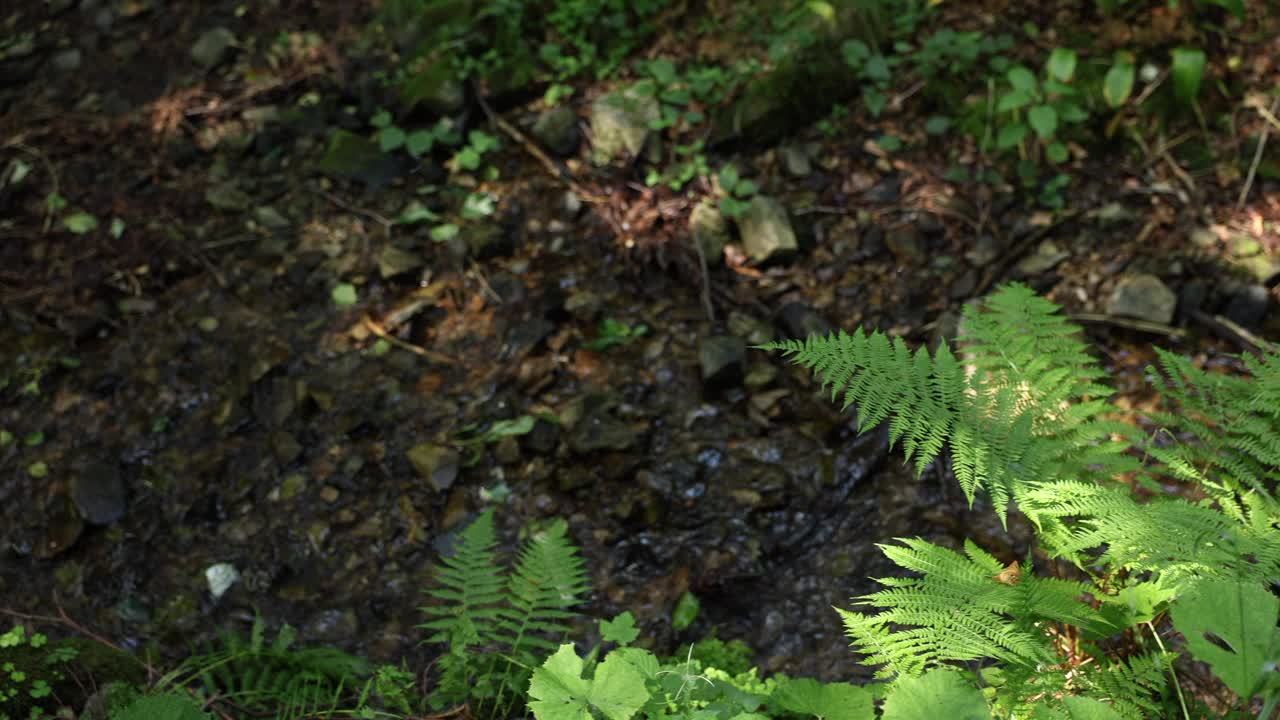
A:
{"x": 275, "y": 677}
{"x": 958, "y": 611}
{"x": 499, "y": 625}
{"x": 1023, "y": 405}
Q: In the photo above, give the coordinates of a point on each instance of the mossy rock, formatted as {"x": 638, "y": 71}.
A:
{"x": 71, "y": 669}
{"x": 352, "y": 157}
{"x": 804, "y": 85}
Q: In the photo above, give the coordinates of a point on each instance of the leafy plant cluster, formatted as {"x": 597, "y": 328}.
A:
{"x": 1026, "y": 422}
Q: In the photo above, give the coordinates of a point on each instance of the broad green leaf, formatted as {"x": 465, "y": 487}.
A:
{"x": 416, "y": 212}
{"x": 477, "y": 205}
{"x": 1231, "y": 625}
{"x": 117, "y": 228}
{"x": 80, "y": 223}
{"x": 441, "y": 233}
{"x": 390, "y": 138}
{"x": 482, "y": 141}
{"x": 1056, "y": 152}
{"x": 663, "y": 70}
{"x": 381, "y": 119}
{"x": 343, "y": 294}
{"x": 55, "y": 203}
{"x": 855, "y": 52}
{"x": 510, "y": 428}
{"x": 1044, "y": 120}
{"x": 1012, "y": 100}
{"x": 935, "y": 695}
{"x": 728, "y": 178}
{"x": 686, "y": 611}
{"x": 1188, "y": 71}
{"x": 937, "y": 125}
{"x": 1022, "y": 79}
{"x": 1062, "y": 64}
{"x": 874, "y": 100}
{"x": 467, "y": 158}
{"x": 38, "y": 469}
{"x": 1010, "y": 135}
{"x": 622, "y": 629}
{"x": 1118, "y": 83}
{"x": 419, "y": 142}
{"x": 877, "y": 69}
{"x": 558, "y": 691}
{"x": 746, "y": 188}
{"x": 831, "y": 701}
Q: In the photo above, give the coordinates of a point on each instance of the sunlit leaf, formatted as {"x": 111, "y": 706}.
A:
{"x": 1044, "y": 120}
{"x": 1118, "y": 83}
{"x": 1188, "y": 71}
{"x": 1062, "y": 64}
{"x": 343, "y": 294}
{"x": 80, "y": 223}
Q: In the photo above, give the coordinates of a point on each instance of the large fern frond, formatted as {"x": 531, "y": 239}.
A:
{"x": 959, "y": 610}
{"x": 1023, "y": 406}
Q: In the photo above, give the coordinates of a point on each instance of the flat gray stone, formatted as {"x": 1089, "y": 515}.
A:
{"x": 1142, "y": 296}
{"x": 620, "y": 124}
{"x": 436, "y": 464}
{"x": 710, "y": 231}
{"x": 766, "y": 231}
{"x": 99, "y": 493}
{"x": 723, "y": 359}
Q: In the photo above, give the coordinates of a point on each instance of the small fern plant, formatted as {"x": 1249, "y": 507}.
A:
{"x": 1024, "y": 418}
{"x": 498, "y": 625}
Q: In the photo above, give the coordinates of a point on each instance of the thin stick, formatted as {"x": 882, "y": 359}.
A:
{"x": 418, "y": 350}
{"x": 1130, "y": 323}
{"x": 1257, "y": 153}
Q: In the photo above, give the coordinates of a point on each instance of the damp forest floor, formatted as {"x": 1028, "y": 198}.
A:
{"x": 234, "y": 366}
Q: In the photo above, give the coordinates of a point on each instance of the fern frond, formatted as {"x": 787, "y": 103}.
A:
{"x": 469, "y": 588}
{"x": 547, "y": 580}
{"x": 1170, "y": 537}
{"x": 958, "y": 611}
{"x": 1023, "y": 405}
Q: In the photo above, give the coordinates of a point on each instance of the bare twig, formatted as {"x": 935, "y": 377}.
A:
{"x": 1270, "y": 116}
{"x": 1130, "y": 324}
{"x": 418, "y": 350}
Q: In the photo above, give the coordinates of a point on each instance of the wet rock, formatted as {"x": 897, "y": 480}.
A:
{"x": 68, "y": 60}
{"x": 887, "y": 190}
{"x": 352, "y": 157}
{"x": 906, "y": 244}
{"x": 1191, "y": 298}
{"x": 710, "y": 231}
{"x": 598, "y": 430}
{"x": 583, "y": 305}
{"x": 557, "y": 130}
{"x": 964, "y": 285}
{"x": 753, "y": 329}
{"x": 99, "y": 492}
{"x": 795, "y": 160}
{"x": 1248, "y": 306}
{"x": 527, "y": 333}
{"x": 487, "y": 240}
{"x": 332, "y": 627}
{"x": 227, "y": 196}
{"x": 507, "y": 450}
{"x": 435, "y": 87}
{"x": 766, "y": 231}
{"x": 1142, "y": 296}
{"x": 394, "y": 261}
{"x": 620, "y": 124}
{"x": 799, "y": 321}
{"x": 212, "y": 46}
{"x": 1047, "y": 255}
{"x": 870, "y": 244}
{"x": 984, "y": 251}
{"x": 542, "y": 438}
{"x": 285, "y": 447}
{"x": 436, "y": 464}
{"x": 63, "y": 525}
{"x": 723, "y": 359}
